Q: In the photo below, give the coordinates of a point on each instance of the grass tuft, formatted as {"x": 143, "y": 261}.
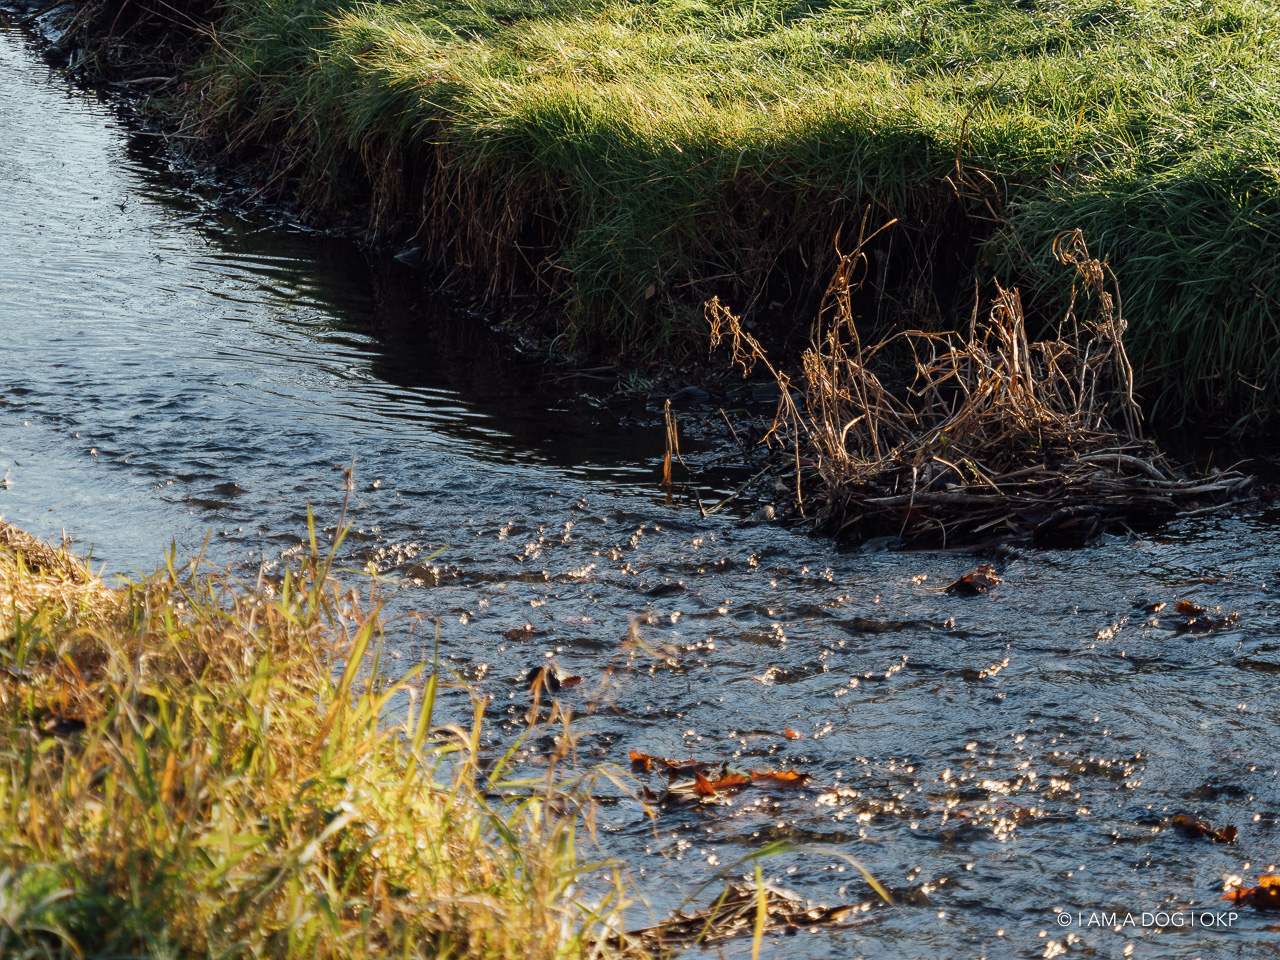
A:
{"x": 190, "y": 766}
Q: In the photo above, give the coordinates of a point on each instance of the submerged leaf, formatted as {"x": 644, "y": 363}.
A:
{"x": 1265, "y": 896}
{"x": 526, "y": 632}
{"x": 1202, "y": 619}
{"x": 975, "y": 581}
{"x": 676, "y": 769}
{"x": 744, "y": 909}
{"x": 1191, "y": 827}
{"x": 779, "y": 778}
{"x": 666, "y": 590}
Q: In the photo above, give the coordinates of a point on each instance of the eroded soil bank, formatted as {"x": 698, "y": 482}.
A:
{"x": 609, "y": 167}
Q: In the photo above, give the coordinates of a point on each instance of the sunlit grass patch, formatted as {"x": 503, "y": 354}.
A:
{"x": 191, "y": 766}
{"x": 630, "y": 160}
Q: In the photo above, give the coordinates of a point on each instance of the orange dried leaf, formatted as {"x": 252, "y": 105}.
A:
{"x": 791, "y": 734}
{"x": 568, "y": 683}
{"x": 1189, "y": 609}
{"x": 1265, "y": 896}
{"x": 702, "y": 786}
{"x": 641, "y": 761}
{"x": 975, "y": 581}
{"x": 779, "y": 778}
{"x": 731, "y": 781}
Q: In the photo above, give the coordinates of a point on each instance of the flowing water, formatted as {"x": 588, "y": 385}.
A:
{"x": 170, "y": 370}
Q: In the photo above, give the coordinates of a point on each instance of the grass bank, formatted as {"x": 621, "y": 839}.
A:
{"x": 629, "y": 160}
{"x": 192, "y": 767}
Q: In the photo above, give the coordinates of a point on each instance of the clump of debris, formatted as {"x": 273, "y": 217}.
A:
{"x": 744, "y": 909}
{"x": 949, "y": 438}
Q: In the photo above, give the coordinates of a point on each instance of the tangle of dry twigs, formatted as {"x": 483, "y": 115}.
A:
{"x": 940, "y": 437}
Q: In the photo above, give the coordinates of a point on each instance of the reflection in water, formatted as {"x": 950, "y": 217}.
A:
{"x": 158, "y": 330}
{"x": 170, "y": 370}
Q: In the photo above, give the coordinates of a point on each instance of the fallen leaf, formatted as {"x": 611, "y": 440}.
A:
{"x": 975, "y": 581}
{"x": 1154, "y": 607}
{"x": 672, "y": 768}
{"x": 731, "y": 781}
{"x": 666, "y": 590}
{"x": 523, "y": 633}
{"x": 1191, "y": 827}
{"x": 1265, "y": 896}
{"x": 702, "y": 786}
{"x": 675, "y": 769}
{"x": 739, "y": 911}
{"x": 791, "y": 734}
{"x": 568, "y": 683}
{"x": 1201, "y": 619}
{"x": 779, "y": 778}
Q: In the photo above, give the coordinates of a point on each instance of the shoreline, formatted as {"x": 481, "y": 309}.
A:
{"x": 208, "y": 764}
{"x": 503, "y": 206}
{"x": 829, "y": 468}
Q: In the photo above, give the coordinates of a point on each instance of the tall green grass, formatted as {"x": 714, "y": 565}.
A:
{"x": 192, "y": 767}
{"x": 656, "y": 152}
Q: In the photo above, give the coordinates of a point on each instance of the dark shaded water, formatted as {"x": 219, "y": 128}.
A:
{"x": 169, "y": 369}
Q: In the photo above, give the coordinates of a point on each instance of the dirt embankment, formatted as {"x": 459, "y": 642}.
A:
{"x": 611, "y": 216}
{"x": 609, "y": 169}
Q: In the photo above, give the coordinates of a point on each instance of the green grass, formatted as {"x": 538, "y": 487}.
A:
{"x": 192, "y": 767}
{"x": 648, "y": 154}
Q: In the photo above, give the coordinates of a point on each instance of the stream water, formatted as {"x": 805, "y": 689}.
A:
{"x": 170, "y": 370}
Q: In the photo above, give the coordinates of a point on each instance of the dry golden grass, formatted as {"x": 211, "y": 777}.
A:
{"x": 190, "y": 766}
{"x": 33, "y": 574}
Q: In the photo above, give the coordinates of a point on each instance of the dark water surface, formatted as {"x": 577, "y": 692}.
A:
{"x": 169, "y": 369}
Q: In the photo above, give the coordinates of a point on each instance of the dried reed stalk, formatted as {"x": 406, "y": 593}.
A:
{"x": 32, "y": 573}
{"x": 987, "y": 434}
